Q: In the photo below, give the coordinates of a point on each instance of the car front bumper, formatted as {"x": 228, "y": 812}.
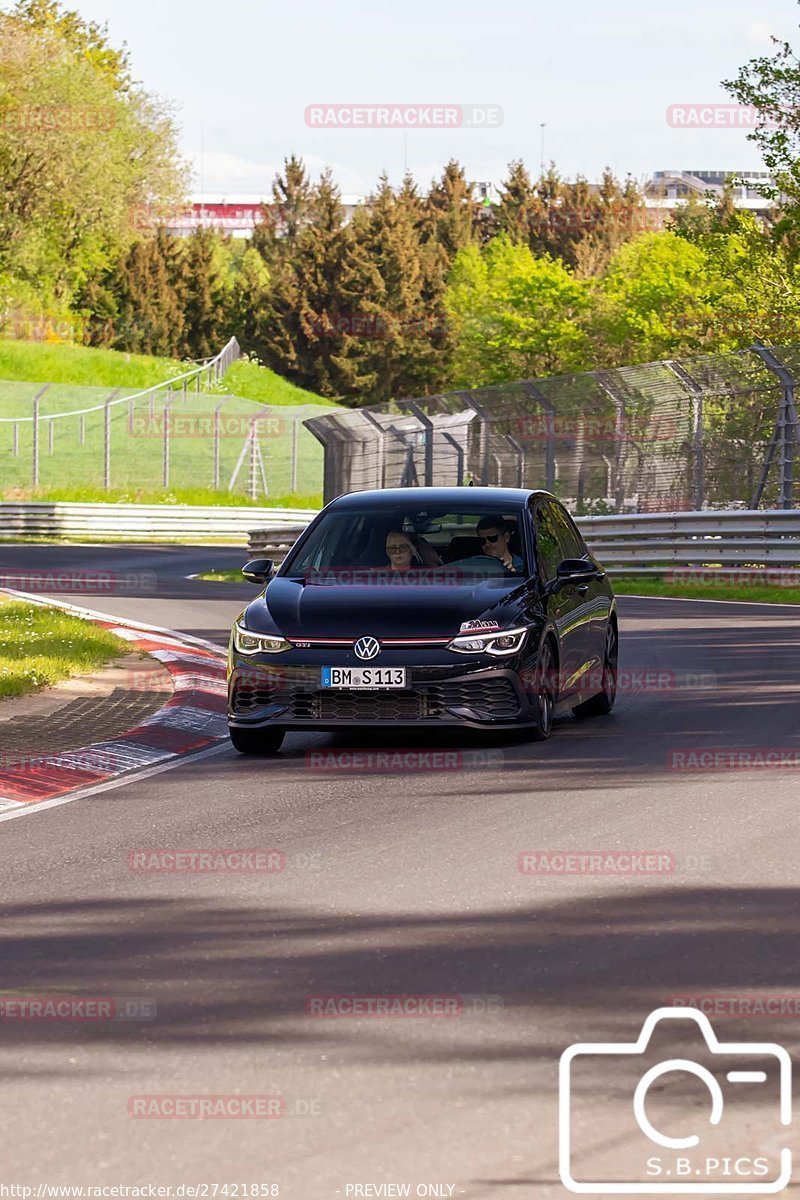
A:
{"x": 458, "y": 694}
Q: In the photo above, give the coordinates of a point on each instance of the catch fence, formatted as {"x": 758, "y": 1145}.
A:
{"x": 185, "y": 433}
{"x": 714, "y": 431}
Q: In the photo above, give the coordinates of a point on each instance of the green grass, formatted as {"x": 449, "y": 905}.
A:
{"x": 252, "y": 382}
{"x": 201, "y": 496}
{"x": 87, "y": 366}
{"x": 83, "y": 366}
{"x": 40, "y": 646}
{"x": 223, "y": 577}
{"x": 756, "y": 592}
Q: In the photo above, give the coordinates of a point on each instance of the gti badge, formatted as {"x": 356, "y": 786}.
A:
{"x": 367, "y": 647}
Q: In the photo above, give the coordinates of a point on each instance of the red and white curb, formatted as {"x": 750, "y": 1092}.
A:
{"x": 191, "y": 721}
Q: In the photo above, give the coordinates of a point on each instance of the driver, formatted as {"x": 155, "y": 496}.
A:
{"x": 495, "y": 536}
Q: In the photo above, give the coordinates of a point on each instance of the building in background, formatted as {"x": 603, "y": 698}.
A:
{"x": 669, "y": 191}
{"x": 236, "y": 215}
{"x": 664, "y": 194}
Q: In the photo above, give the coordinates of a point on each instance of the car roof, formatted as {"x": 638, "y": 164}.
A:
{"x": 477, "y": 497}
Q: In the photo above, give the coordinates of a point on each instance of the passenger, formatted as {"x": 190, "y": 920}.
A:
{"x": 406, "y": 550}
{"x": 495, "y": 535}
{"x": 401, "y": 552}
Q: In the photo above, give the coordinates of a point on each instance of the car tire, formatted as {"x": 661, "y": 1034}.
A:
{"x": 256, "y": 741}
{"x": 545, "y": 693}
{"x": 602, "y": 704}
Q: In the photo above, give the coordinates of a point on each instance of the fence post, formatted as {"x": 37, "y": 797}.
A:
{"x": 35, "y": 443}
{"x": 15, "y": 436}
{"x": 485, "y": 445}
{"x": 295, "y": 422}
{"x": 165, "y": 461}
{"x": 35, "y": 434}
{"x": 459, "y": 449}
{"x": 107, "y": 440}
{"x": 698, "y": 431}
{"x": 429, "y": 427}
{"x": 520, "y": 453}
{"x": 620, "y": 438}
{"x": 215, "y": 473}
{"x": 550, "y": 433}
{"x": 786, "y": 431}
{"x": 381, "y": 445}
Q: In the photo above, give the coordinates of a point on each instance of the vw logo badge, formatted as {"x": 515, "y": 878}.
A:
{"x": 367, "y": 647}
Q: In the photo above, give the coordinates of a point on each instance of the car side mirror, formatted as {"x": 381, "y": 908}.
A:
{"x": 259, "y": 570}
{"x": 576, "y": 570}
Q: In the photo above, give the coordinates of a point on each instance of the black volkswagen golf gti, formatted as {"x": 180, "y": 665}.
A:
{"x": 425, "y": 607}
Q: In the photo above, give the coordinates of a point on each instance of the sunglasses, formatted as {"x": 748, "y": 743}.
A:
{"x": 399, "y": 549}
{"x": 491, "y": 537}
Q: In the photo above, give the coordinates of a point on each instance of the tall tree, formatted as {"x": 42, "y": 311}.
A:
{"x": 204, "y": 295}
{"x": 515, "y": 212}
{"x": 770, "y": 84}
{"x": 81, "y": 147}
{"x": 320, "y": 300}
{"x": 402, "y": 352}
{"x": 516, "y": 316}
{"x": 452, "y": 210}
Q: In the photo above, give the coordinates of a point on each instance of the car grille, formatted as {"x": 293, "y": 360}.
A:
{"x": 488, "y": 699}
{"x": 493, "y": 698}
{"x": 330, "y": 704}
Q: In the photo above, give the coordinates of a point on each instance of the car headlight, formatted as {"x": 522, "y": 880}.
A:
{"x": 505, "y": 641}
{"x": 258, "y": 643}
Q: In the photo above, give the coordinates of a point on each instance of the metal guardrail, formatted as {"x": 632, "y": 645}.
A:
{"x": 634, "y": 544}
{"x": 647, "y": 543}
{"x": 146, "y": 522}
{"x": 640, "y": 543}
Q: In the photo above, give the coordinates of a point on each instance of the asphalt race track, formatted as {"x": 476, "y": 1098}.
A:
{"x": 405, "y": 883}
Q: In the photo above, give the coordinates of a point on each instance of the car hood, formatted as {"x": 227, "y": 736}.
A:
{"x": 307, "y": 610}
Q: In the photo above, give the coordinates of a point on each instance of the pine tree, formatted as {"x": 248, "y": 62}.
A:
{"x": 517, "y": 205}
{"x": 150, "y": 317}
{"x": 401, "y": 352}
{"x": 453, "y": 210}
{"x": 292, "y": 194}
{"x": 320, "y": 302}
{"x": 204, "y": 295}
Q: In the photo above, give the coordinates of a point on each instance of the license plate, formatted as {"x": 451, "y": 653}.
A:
{"x": 364, "y": 677}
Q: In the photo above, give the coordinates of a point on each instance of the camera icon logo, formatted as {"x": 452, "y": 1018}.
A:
{"x": 714, "y": 1155}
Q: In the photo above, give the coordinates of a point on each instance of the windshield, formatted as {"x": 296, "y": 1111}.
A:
{"x": 459, "y": 544}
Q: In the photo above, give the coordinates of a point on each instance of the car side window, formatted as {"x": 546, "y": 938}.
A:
{"x": 572, "y": 544}
{"x": 548, "y": 546}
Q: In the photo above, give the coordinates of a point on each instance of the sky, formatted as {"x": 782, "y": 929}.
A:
{"x": 599, "y": 75}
